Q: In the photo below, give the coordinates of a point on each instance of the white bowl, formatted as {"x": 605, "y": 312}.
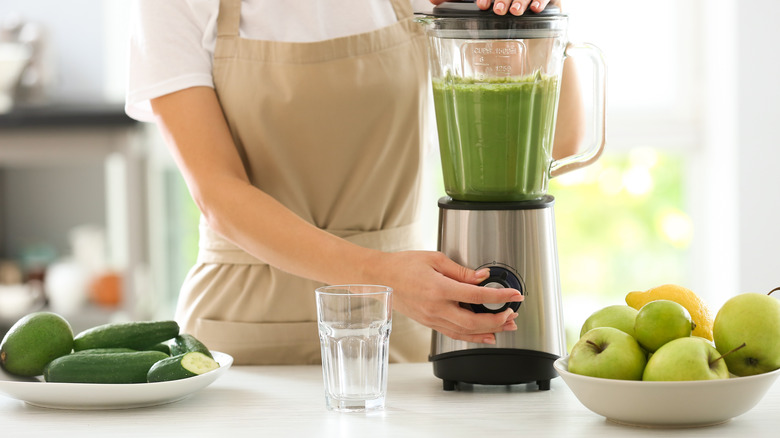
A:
{"x": 667, "y": 404}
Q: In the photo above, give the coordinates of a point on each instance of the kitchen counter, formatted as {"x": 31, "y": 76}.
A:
{"x": 287, "y": 401}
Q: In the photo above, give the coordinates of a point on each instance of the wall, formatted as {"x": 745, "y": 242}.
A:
{"x": 758, "y": 138}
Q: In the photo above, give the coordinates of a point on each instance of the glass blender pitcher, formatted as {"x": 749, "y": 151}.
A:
{"x": 496, "y": 82}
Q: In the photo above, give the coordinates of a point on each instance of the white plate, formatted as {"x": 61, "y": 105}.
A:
{"x": 94, "y": 396}
{"x": 667, "y": 404}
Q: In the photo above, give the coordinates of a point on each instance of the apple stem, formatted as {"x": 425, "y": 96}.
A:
{"x": 727, "y": 353}
{"x": 595, "y": 345}
{"x": 770, "y": 292}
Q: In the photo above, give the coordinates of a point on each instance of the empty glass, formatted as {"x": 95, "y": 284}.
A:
{"x": 354, "y": 325}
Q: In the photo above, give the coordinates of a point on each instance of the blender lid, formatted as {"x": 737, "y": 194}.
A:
{"x": 469, "y": 9}
{"x": 464, "y": 19}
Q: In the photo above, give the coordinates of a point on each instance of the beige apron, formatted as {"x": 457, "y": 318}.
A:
{"x": 331, "y": 129}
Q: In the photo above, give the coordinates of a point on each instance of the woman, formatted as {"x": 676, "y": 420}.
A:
{"x": 297, "y": 127}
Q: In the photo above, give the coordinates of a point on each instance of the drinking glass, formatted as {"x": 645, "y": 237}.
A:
{"x": 354, "y": 326}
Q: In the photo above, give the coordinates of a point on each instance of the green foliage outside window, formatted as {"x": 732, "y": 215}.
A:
{"x": 621, "y": 226}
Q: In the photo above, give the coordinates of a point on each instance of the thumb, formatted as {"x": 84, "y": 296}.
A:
{"x": 461, "y": 273}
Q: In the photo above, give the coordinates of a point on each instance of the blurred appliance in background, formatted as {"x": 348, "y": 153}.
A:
{"x": 27, "y": 43}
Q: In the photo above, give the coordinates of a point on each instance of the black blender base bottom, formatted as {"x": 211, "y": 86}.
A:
{"x": 494, "y": 366}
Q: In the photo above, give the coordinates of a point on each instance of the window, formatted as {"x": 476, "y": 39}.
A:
{"x": 634, "y": 220}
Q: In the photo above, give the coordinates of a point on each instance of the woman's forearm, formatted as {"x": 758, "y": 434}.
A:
{"x": 203, "y": 149}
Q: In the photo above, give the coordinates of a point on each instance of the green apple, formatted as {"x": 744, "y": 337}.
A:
{"x": 608, "y": 353}
{"x": 618, "y": 316}
{"x": 752, "y": 319}
{"x": 691, "y": 358}
{"x": 661, "y": 321}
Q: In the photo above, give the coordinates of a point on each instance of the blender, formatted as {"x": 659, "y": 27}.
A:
{"x": 496, "y": 82}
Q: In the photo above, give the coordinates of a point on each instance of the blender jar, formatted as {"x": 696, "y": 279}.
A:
{"x": 496, "y": 81}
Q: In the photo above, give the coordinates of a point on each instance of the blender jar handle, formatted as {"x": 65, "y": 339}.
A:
{"x": 592, "y": 153}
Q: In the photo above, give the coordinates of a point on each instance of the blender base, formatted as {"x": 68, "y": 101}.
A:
{"x": 494, "y": 366}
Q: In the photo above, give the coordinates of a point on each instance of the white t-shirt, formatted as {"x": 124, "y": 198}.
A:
{"x": 172, "y": 41}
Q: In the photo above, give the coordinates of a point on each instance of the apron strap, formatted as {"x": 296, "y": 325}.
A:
{"x": 403, "y": 9}
{"x": 228, "y": 22}
{"x": 213, "y": 248}
{"x": 229, "y": 18}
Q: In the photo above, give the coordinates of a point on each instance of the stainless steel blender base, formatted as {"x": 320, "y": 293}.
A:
{"x": 516, "y": 240}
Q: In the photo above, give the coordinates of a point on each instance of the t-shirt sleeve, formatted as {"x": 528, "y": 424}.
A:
{"x": 169, "y": 50}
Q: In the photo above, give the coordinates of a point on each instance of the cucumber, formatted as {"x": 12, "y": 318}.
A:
{"x": 181, "y": 367}
{"x": 161, "y": 346}
{"x": 102, "y": 367}
{"x": 137, "y": 335}
{"x": 105, "y": 350}
{"x": 186, "y": 343}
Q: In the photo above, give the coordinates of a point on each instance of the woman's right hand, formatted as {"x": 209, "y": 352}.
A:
{"x": 429, "y": 287}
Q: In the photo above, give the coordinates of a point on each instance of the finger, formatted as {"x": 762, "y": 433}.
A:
{"x": 460, "y": 290}
{"x": 465, "y": 321}
{"x": 462, "y": 274}
{"x": 538, "y": 5}
{"x": 501, "y": 7}
{"x": 483, "y": 4}
{"x": 510, "y": 326}
{"x": 483, "y": 338}
{"x": 480, "y": 338}
{"x": 466, "y": 293}
{"x": 519, "y": 6}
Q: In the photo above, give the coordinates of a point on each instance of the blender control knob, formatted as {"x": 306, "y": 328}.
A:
{"x": 499, "y": 278}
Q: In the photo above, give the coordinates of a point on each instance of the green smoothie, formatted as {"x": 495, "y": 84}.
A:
{"x": 496, "y": 136}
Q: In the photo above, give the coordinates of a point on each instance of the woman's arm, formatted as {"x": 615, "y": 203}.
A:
{"x": 428, "y": 286}
{"x": 570, "y": 123}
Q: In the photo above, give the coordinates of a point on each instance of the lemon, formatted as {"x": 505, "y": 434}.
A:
{"x": 700, "y": 314}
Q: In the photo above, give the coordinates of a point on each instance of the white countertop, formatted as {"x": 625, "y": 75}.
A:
{"x": 287, "y": 401}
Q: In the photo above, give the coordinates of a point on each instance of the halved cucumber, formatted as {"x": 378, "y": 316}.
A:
{"x": 181, "y": 367}
{"x": 187, "y": 343}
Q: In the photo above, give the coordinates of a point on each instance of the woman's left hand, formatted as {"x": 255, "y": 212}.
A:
{"x": 514, "y": 7}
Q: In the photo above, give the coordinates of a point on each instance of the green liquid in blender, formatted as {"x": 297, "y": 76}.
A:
{"x": 496, "y": 135}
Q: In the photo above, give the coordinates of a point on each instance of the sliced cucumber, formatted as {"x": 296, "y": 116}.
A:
{"x": 181, "y": 367}
{"x": 187, "y": 343}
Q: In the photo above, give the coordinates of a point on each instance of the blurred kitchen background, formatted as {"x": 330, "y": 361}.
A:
{"x": 96, "y": 223}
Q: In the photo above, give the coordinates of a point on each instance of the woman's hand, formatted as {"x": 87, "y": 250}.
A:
{"x": 514, "y": 7}
{"x": 429, "y": 287}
